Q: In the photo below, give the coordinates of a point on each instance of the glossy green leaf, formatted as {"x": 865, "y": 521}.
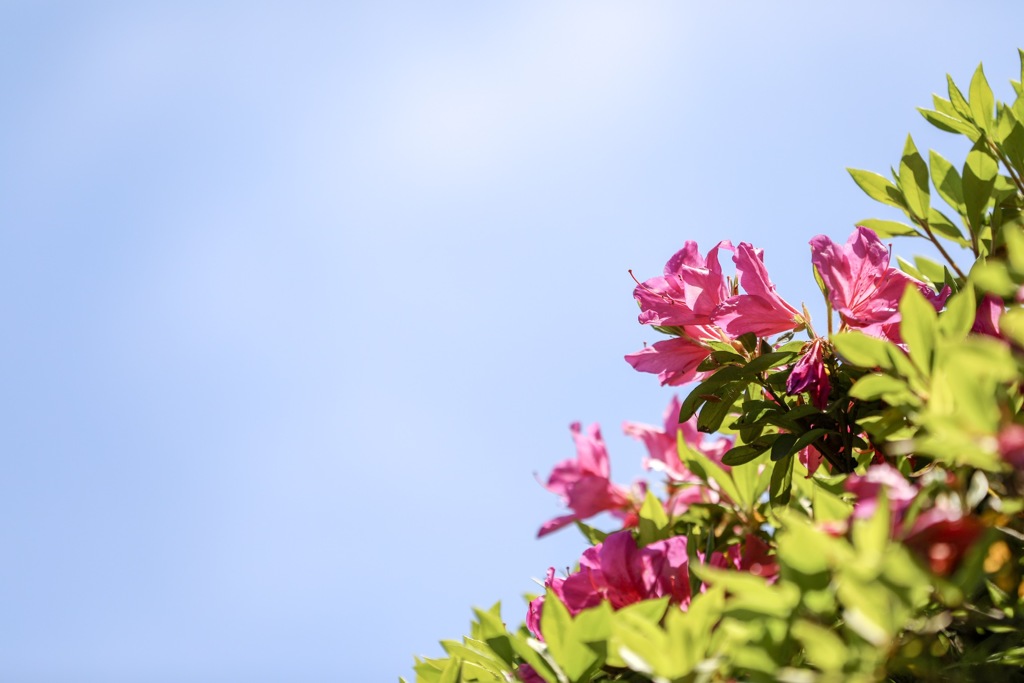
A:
{"x": 781, "y": 484}
{"x": 863, "y": 350}
{"x": 885, "y": 388}
{"x": 653, "y": 522}
{"x": 979, "y": 177}
{"x": 957, "y": 99}
{"x": 878, "y": 187}
{"x": 913, "y": 180}
{"x": 947, "y": 180}
{"x": 950, "y": 124}
{"x": 982, "y": 102}
{"x": 886, "y": 229}
{"x": 918, "y": 326}
{"x": 958, "y": 318}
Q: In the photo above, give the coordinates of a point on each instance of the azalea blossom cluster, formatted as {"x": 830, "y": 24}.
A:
{"x": 699, "y": 304}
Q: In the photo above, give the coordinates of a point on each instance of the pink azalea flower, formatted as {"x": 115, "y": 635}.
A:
{"x": 583, "y": 482}
{"x": 809, "y": 375}
{"x": 621, "y": 573}
{"x": 760, "y": 310}
{"x": 694, "y": 295}
{"x": 674, "y": 360}
{"x": 662, "y": 446}
{"x": 688, "y": 293}
{"x": 861, "y": 285}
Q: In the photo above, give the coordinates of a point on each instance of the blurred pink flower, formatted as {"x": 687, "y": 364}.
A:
{"x": 662, "y": 445}
{"x": 583, "y": 482}
{"x": 941, "y": 536}
{"x": 869, "y": 485}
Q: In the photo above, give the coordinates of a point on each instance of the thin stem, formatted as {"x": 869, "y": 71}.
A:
{"x": 938, "y": 245}
{"x": 1014, "y": 176}
{"x": 836, "y": 459}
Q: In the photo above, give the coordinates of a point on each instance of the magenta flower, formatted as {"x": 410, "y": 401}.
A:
{"x": 986, "y": 318}
{"x": 809, "y": 374}
{"x": 760, "y": 310}
{"x": 674, "y": 360}
{"x": 862, "y": 287}
{"x": 694, "y": 296}
{"x": 688, "y": 293}
{"x": 621, "y": 573}
{"x": 662, "y": 446}
{"x": 583, "y": 482}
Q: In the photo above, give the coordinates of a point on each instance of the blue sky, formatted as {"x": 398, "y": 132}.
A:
{"x": 298, "y": 300}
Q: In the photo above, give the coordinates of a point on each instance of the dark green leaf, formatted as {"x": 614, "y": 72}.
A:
{"x": 782, "y": 481}
{"x": 741, "y": 455}
{"x": 783, "y": 446}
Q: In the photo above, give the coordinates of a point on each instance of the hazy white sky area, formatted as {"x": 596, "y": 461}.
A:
{"x": 299, "y": 299}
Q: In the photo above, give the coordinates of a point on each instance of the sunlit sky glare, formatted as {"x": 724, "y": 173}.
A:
{"x": 300, "y": 300}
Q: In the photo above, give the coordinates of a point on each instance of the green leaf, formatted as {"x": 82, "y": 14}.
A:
{"x": 878, "y": 188}
{"x": 713, "y": 414}
{"x": 709, "y": 388}
{"x": 917, "y": 327}
{"x": 782, "y": 481}
{"x": 982, "y": 101}
{"x": 783, "y": 446}
{"x": 947, "y": 181}
{"x": 913, "y": 180}
{"x": 824, "y": 648}
{"x": 594, "y": 536}
{"x": 950, "y": 124}
{"x": 653, "y": 520}
{"x": 1013, "y": 146}
{"x": 957, "y": 99}
{"x": 452, "y": 672}
{"x": 883, "y": 387}
{"x": 941, "y": 225}
{"x": 741, "y": 455}
{"x": 862, "y": 350}
{"x": 870, "y": 538}
{"x": 958, "y": 318}
{"x": 698, "y": 463}
{"x": 979, "y": 178}
{"x": 769, "y": 360}
{"x": 888, "y": 228}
